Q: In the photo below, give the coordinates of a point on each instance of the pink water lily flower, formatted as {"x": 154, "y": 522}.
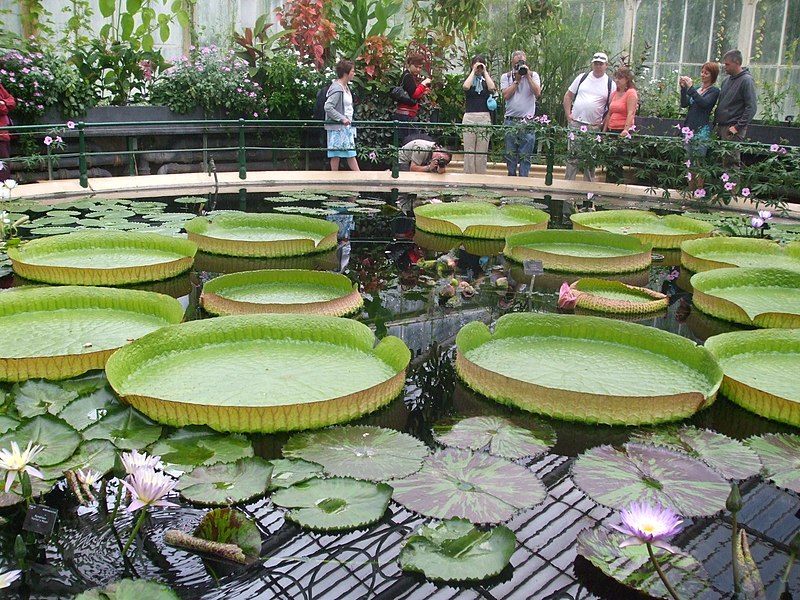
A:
{"x": 765, "y": 214}
{"x": 134, "y": 460}
{"x": 9, "y": 577}
{"x": 756, "y": 222}
{"x": 566, "y": 296}
{"x": 645, "y": 524}
{"x": 148, "y": 488}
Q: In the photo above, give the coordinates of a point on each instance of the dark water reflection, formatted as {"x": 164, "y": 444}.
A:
{"x": 404, "y": 276}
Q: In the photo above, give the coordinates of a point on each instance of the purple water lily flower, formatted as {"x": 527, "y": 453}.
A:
{"x": 645, "y": 524}
{"x": 148, "y": 487}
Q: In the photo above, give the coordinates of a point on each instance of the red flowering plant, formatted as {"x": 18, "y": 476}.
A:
{"x": 311, "y": 32}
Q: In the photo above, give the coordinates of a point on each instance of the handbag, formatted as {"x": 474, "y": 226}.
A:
{"x": 491, "y": 103}
{"x": 400, "y": 95}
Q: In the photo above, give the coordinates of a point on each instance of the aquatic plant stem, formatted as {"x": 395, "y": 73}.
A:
{"x": 734, "y": 561}
{"x": 139, "y": 521}
{"x": 663, "y": 577}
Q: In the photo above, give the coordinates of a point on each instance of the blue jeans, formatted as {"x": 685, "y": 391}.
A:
{"x": 519, "y": 148}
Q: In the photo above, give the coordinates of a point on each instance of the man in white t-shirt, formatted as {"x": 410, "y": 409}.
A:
{"x": 586, "y": 104}
{"x": 520, "y": 86}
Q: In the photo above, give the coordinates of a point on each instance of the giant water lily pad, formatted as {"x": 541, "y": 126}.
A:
{"x": 661, "y": 232}
{"x": 455, "y": 550}
{"x": 749, "y": 295}
{"x": 57, "y": 439}
{"x": 446, "y": 243}
{"x": 263, "y": 234}
{"x": 478, "y": 219}
{"x": 192, "y": 446}
{"x": 360, "y": 451}
{"x": 761, "y": 371}
{"x": 226, "y": 483}
{"x": 260, "y": 372}
{"x": 60, "y": 332}
{"x": 631, "y": 565}
{"x": 499, "y": 436}
{"x": 216, "y": 263}
{"x": 780, "y": 454}
{"x": 721, "y": 252}
{"x": 731, "y": 458}
{"x": 538, "y": 362}
{"x": 476, "y": 486}
{"x": 650, "y": 474}
{"x": 600, "y": 295}
{"x": 281, "y": 291}
{"x": 102, "y": 258}
{"x": 334, "y": 504}
{"x": 579, "y": 251}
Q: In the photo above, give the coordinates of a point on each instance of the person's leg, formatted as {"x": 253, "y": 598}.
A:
{"x": 334, "y": 163}
{"x": 352, "y": 162}
{"x": 482, "y": 143}
{"x": 5, "y": 153}
{"x": 571, "y": 171}
{"x": 470, "y": 141}
{"x": 588, "y": 172}
{"x": 511, "y": 148}
{"x": 528, "y": 142}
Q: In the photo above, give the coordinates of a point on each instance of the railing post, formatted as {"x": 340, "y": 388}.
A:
{"x": 551, "y": 158}
{"x": 84, "y": 177}
{"x": 242, "y": 153}
{"x": 396, "y": 152}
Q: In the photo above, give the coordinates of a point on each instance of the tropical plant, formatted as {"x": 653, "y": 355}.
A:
{"x": 258, "y": 48}
{"x": 365, "y": 34}
{"x": 311, "y": 31}
{"x": 659, "y": 97}
{"x": 213, "y": 80}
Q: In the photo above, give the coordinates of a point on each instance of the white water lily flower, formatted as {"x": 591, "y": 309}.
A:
{"x": 16, "y": 462}
{"x": 10, "y": 183}
{"x": 88, "y": 477}
{"x": 148, "y": 487}
{"x": 9, "y": 577}
{"x": 134, "y": 460}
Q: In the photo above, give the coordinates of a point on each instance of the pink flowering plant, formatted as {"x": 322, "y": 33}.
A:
{"x": 214, "y": 80}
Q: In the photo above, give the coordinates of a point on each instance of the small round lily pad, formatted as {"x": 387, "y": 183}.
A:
{"x": 226, "y": 483}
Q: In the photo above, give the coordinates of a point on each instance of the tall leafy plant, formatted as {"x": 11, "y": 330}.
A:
{"x": 362, "y": 21}
{"x": 311, "y": 31}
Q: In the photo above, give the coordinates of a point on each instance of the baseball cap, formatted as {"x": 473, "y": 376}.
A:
{"x": 600, "y": 57}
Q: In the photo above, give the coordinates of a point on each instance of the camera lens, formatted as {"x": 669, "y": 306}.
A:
{"x": 440, "y": 162}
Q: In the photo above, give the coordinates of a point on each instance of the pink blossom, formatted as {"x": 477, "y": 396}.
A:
{"x": 757, "y": 222}
{"x": 59, "y": 140}
{"x": 725, "y": 177}
{"x": 774, "y": 148}
{"x": 373, "y": 156}
{"x": 645, "y": 524}
{"x": 765, "y": 214}
{"x": 584, "y": 129}
{"x": 598, "y": 139}
{"x": 571, "y": 135}
{"x": 746, "y": 192}
{"x": 730, "y": 185}
{"x": 566, "y": 296}
{"x": 688, "y": 163}
{"x": 47, "y": 140}
{"x": 688, "y": 176}
{"x": 700, "y": 193}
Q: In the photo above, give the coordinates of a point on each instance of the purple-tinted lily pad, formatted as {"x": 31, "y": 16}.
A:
{"x": 498, "y": 436}
{"x": 631, "y": 565}
{"x": 363, "y": 452}
{"x": 730, "y": 457}
{"x": 470, "y": 485}
{"x": 780, "y": 454}
{"x": 650, "y": 474}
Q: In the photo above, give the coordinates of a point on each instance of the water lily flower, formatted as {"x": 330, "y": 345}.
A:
{"x": 566, "y": 296}
{"x": 700, "y": 193}
{"x": 765, "y": 214}
{"x": 16, "y": 462}
{"x": 5, "y": 193}
{"x": 148, "y": 487}
{"x": 133, "y": 461}
{"x": 9, "y": 577}
{"x": 645, "y": 524}
{"x": 756, "y": 222}
{"x": 88, "y": 477}
{"x": 10, "y": 183}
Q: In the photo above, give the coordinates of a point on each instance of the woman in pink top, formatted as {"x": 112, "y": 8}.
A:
{"x": 620, "y": 117}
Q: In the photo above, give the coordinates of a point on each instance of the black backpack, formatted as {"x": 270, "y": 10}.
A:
{"x": 319, "y": 104}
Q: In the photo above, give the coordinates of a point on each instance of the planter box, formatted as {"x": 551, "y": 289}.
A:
{"x": 756, "y": 132}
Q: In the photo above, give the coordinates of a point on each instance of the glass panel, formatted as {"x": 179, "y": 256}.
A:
{"x": 645, "y": 32}
{"x": 767, "y": 33}
{"x": 698, "y": 27}
{"x": 726, "y": 27}
{"x": 791, "y": 50}
{"x": 669, "y": 35}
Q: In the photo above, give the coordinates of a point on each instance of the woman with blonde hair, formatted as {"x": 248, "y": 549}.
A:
{"x": 621, "y": 114}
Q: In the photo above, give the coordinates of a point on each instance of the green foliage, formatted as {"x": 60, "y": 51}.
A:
{"x": 362, "y": 19}
{"x": 659, "y": 97}
{"x": 292, "y": 86}
{"x": 213, "y": 80}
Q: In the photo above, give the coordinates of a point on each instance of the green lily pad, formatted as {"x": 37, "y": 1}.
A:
{"x": 731, "y": 458}
{"x": 97, "y": 455}
{"x": 130, "y": 589}
{"x": 498, "y": 436}
{"x": 226, "y": 483}
{"x": 631, "y": 565}
{"x": 750, "y": 295}
{"x": 192, "y": 446}
{"x": 661, "y": 232}
{"x": 37, "y": 397}
{"x": 780, "y": 454}
{"x": 57, "y": 439}
{"x": 721, "y": 252}
{"x": 287, "y": 472}
{"x": 230, "y": 526}
{"x": 650, "y": 474}
{"x": 305, "y": 210}
{"x": 190, "y": 200}
{"x": 90, "y": 408}
{"x": 363, "y": 452}
{"x": 464, "y": 484}
{"x": 7, "y": 424}
{"x": 334, "y": 504}
{"x": 53, "y": 230}
{"x": 127, "y": 429}
{"x": 454, "y": 550}
{"x": 478, "y": 219}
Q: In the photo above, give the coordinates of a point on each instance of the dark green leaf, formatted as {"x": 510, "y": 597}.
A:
{"x": 780, "y": 454}
{"x": 287, "y": 472}
{"x": 37, "y": 397}
{"x": 223, "y": 484}
{"x": 127, "y": 429}
{"x": 58, "y": 439}
{"x": 197, "y": 445}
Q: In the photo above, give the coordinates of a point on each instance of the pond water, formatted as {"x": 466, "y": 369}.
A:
{"x": 405, "y": 280}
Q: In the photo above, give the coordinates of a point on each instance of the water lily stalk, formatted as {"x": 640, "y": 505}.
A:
{"x": 663, "y": 577}
{"x": 734, "y": 505}
{"x": 794, "y": 547}
{"x": 136, "y": 528}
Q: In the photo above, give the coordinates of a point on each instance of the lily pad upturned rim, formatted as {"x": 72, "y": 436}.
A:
{"x": 198, "y": 228}
{"x": 585, "y": 406}
{"x": 754, "y": 278}
{"x": 446, "y": 243}
{"x": 694, "y": 253}
{"x": 348, "y": 300}
{"x": 686, "y": 227}
{"x": 767, "y": 341}
{"x": 585, "y": 289}
{"x": 433, "y": 219}
{"x": 97, "y": 241}
{"x": 522, "y": 246}
{"x": 287, "y": 417}
{"x": 36, "y": 299}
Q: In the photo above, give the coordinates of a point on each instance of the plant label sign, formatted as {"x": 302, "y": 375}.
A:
{"x": 533, "y": 267}
{"x": 40, "y": 519}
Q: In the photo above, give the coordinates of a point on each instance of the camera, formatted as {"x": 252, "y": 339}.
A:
{"x": 441, "y": 163}
{"x": 521, "y": 68}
